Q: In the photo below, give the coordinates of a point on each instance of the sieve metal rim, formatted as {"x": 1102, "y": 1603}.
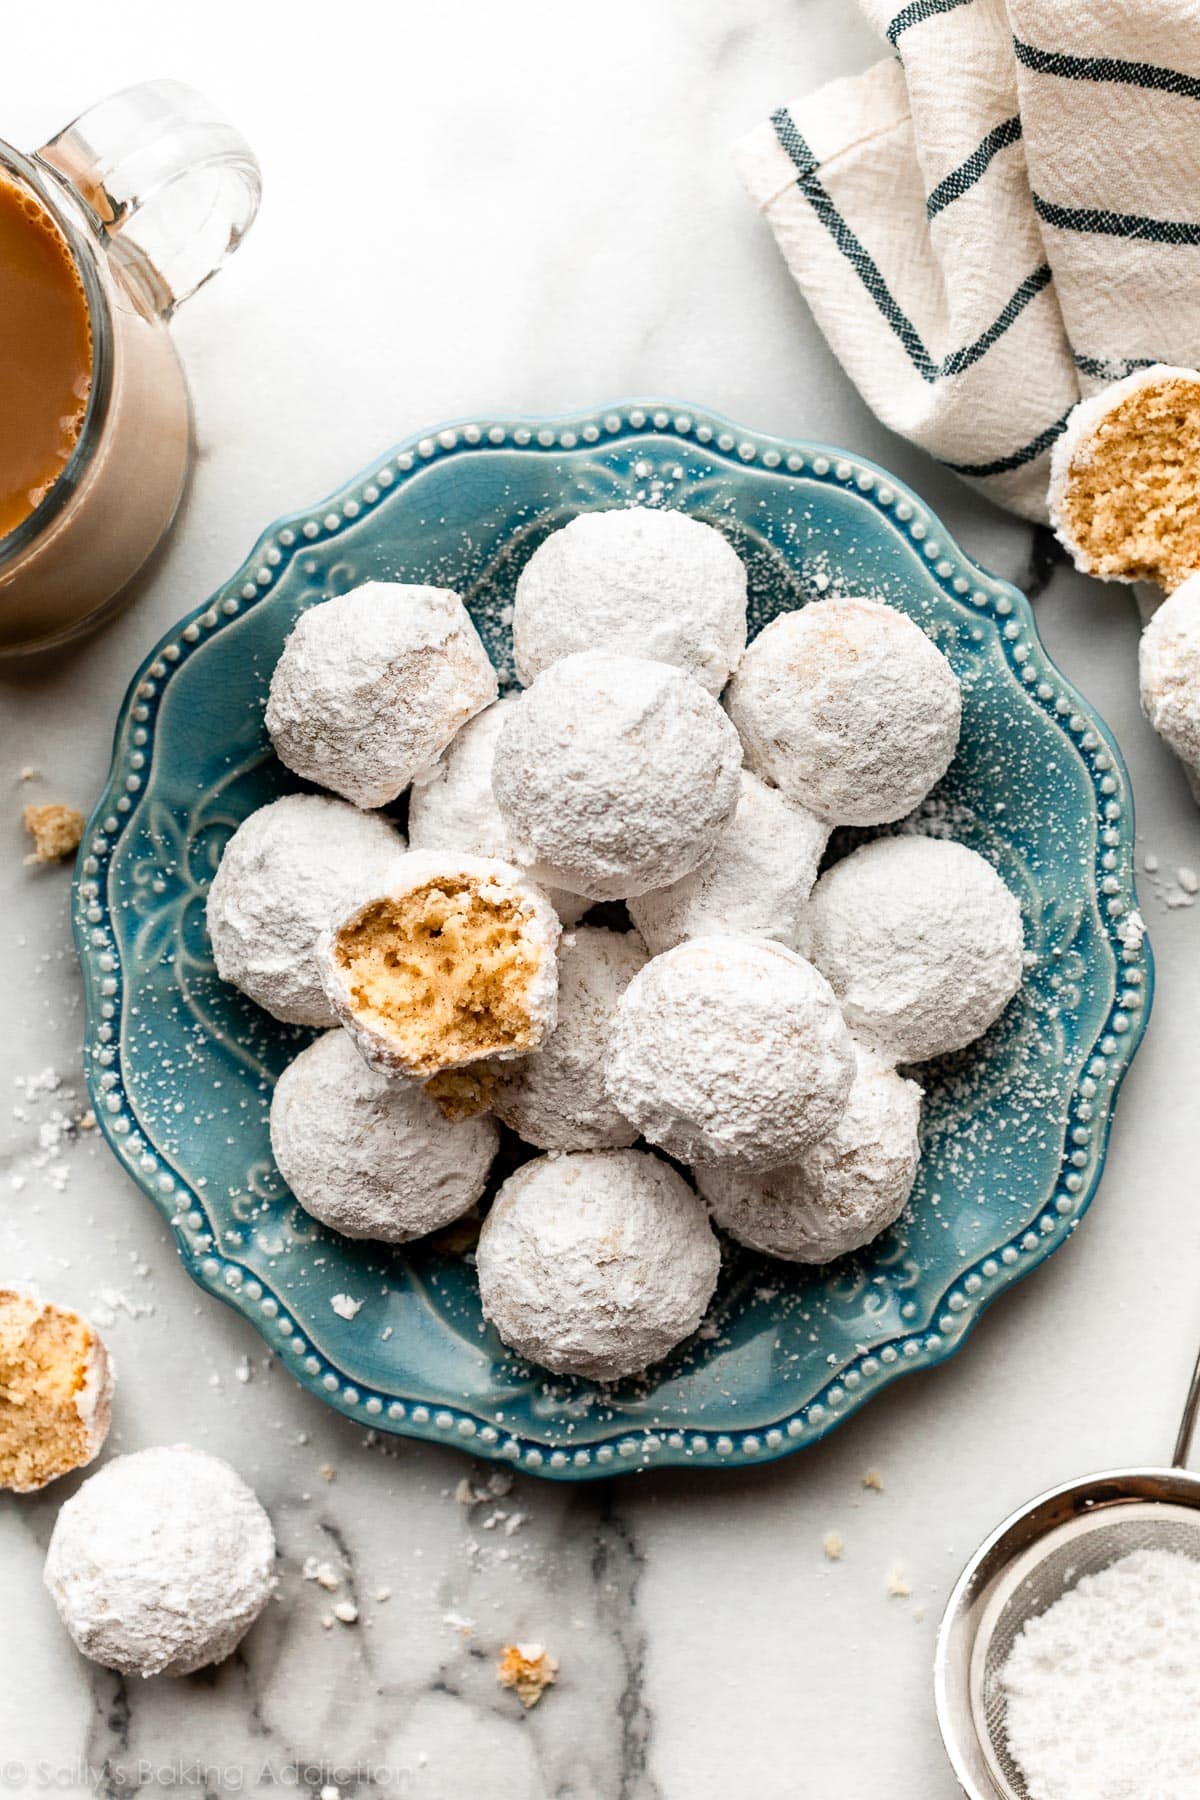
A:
{"x": 1087, "y": 1497}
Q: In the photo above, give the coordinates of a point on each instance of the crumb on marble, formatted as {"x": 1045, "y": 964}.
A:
{"x": 874, "y": 1480}
{"x": 327, "y": 1472}
{"x": 528, "y": 1669}
{"x": 55, "y": 830}
{"x": 498, "y": 1483}
{"x": 899, "y": 1587}
{"x": 833, "y": 1546}
{"x": 323, "y": 1573}
{"x": 345, "y": 1612}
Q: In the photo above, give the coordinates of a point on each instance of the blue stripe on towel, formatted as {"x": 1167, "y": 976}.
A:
{"x": 1115, "y": 224}
{"x": 917, "y": 12}
{"x": 958, "y": 360}
{"x": 968, "y": 172}
{"x": 1026, "y": 454}
{"x": 1113, "y": 368}
{"x": 869, "y": 273}
{"x": 856, "y": 254}
{"x": 1106, "y": 68}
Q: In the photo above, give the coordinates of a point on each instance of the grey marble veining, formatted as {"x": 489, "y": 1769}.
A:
{"x": 471, "y": 208}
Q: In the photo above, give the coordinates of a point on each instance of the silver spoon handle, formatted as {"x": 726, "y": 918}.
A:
{"x": 1187, "y": 1423}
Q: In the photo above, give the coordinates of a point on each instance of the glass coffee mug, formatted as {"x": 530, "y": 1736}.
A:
{"x": 103, "y": 233}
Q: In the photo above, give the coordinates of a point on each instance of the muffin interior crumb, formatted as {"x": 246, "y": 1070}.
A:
{"x": 463, "y": 1093}
{"x": 445, "y": 971}
{"x": 1132, "y": 501}
{"x": 44, "y": 1358}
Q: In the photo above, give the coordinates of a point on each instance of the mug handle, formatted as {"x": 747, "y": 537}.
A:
{"x": 171, "y": 186}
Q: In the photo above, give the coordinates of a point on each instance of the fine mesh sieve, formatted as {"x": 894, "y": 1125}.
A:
{"x": 1029, "y": 1562}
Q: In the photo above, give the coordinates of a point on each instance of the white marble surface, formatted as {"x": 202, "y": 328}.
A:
{"x": 528, "y": 206}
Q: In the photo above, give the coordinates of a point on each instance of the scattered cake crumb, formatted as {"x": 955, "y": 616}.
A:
{"x": 1188, "y": 880}
{"x": 29, "y": 773}
{"x": 345, "y": 1307}
{"x": 528, "y": 1669}
{"x": 55, "y": 830}
{"x": 459, "y": 1622}
{"x": 918, "y": 1613}
{"x": 323, "y": 1573}
{"x": 382, "y": 1594}
{"x": 898, "y": 1585}
{"x": 498, "y": 1483}
{"x": 874, "y": 1480}
{"x": 327, "y": 1472}
{"x": 346, "y": 1612}
{"x": 833, "y": 1545}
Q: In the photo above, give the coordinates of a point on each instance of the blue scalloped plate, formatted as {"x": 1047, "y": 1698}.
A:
{"x": 181, "y": 1067}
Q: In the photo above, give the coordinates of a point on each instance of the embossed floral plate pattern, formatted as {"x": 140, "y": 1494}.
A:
{"x": 181, "y": 1067}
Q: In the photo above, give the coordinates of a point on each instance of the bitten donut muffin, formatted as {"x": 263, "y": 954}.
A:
{"x": 453, "y": 961}
{"x": 615, "y": 775}
{"x": 452, "y": 806}
{"x": 849, "y": 709}
{"x": 732, "y": 1050}
{"x": 557, "y": 1099}
{"x": 371, "y": 686}
{"x": 635, "y": 581}
{"x": 596, "y": 1264}
{"x": 921, "y": 942}
{"x": 373, "y": 1158}
{"x": 841, "y": 1193}
{"x": 56, "y": 1384}
{"x": 755, "y": 883}
{"x": 283, "y": 874}
{"x": 1125, "y": 479}
{"x": 1169, "y": 671}
{"x": 161, "y": 1562}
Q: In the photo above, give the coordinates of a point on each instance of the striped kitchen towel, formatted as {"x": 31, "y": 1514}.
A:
{"x": 1001, "y": 216}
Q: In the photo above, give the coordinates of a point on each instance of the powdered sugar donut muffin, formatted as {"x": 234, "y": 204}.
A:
{"x": 161, "y": 1562}
{"x": 841, "y": 1193}
{"x": 1169, "y": 671}
{"x": 636, "y": 581}
{"x": 596, "y": 1264}
{"x": 557, "y": 1099}
{"x": 615, "y": 774}
{"x": 451, "y": 961}
{"x": 848, "y": 708}
{"x": 1125, "y": 479}
{"x": 56, "y": 1384}
{"x": 921, "y": 942}
{"x": 283, "y": 874}
{"x": 452, "y": 806}
{"x": 755, "y": 882}
{"x": 373, "y": 1158}
{"x": 730, "y": 1049}
{"x": 372, "y": 685}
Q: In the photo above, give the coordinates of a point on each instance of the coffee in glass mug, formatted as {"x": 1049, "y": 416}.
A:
{"x": 103, "y": 232}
